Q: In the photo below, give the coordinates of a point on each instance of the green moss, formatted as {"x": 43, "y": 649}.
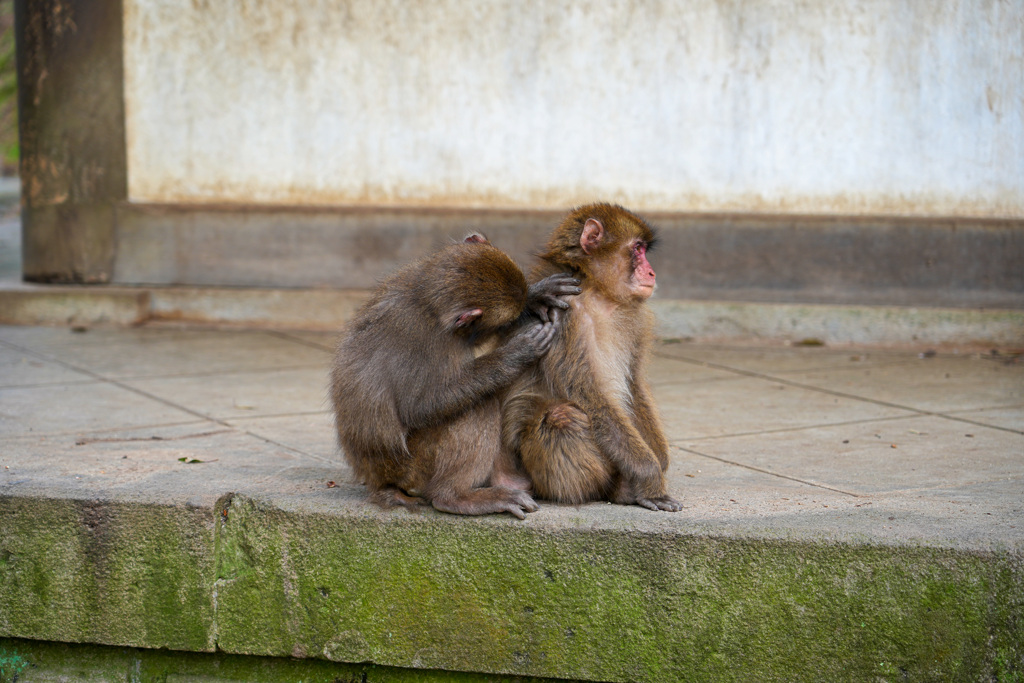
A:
{"x": 107, "y": 573}
{"x": 493, "y": 595}
{"x": 53, "y": 661}
{"x": 482, "y": 594}
{"x": 8, "y": 92}
{"x": 11, "y": 665}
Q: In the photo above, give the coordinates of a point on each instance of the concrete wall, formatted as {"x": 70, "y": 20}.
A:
{"x": 893, "y": 107}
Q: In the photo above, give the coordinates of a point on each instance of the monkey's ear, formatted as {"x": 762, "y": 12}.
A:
{"x": 468, "y": 316}
{"x": 593, "y": 235}
{"x": 476, "y": 238}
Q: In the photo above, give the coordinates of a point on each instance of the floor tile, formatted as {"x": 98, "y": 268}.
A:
{"x": 244, "y": 394}
{"x": 662, "y": 370}
{"x": 912, "y": 454}
{"x": 217, "y": 459}
{"x": 747, "y": 405}
{"x": 931, "y": 384}
{"x": 713, "y": 487}
{"x": 1009, "y": 417}
{"x": 324, "y": 340}
{"x": 69, "y": 408}
{"x": 777, "y": 360}
{"x": 152, "y": 353}
{"x": 311, "y": 433}
{"x": 18, "y": 369}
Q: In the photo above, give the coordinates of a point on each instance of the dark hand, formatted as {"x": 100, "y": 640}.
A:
{"x": 533, "y": 341}
{"x": 542, "y": 297}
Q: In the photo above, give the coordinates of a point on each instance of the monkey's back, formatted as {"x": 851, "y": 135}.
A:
{"x": 402, "y": 344}
{"x": 370, "y": 361}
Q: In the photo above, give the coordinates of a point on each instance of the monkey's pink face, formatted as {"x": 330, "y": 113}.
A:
{"x": 641, "y": 280}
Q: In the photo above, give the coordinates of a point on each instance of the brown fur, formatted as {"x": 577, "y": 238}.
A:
{"x": 583, "y": 422}
{"x": 416, "y": 409}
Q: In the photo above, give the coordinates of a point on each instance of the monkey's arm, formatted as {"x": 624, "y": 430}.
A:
{"x": 622, "y": 443}
{"x": 430, "y": 400}
{"x": 640, "y": 452}
{"x": 648, "y": 423}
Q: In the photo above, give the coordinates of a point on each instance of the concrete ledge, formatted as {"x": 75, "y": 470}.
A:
{"x": 849, "y": 514}
{"x": 834, "y": 324}
{"x": 329, "y": 309}
{"x": 622, "y": 596}
{"x": 73, "y": 305}
{"x": 847, "y": 260}
{"x": 314, "y": 309}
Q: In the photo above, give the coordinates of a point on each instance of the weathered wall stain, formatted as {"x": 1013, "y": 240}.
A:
{"x": 880, "y": 107}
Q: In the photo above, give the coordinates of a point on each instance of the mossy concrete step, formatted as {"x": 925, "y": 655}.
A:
{"x": 849, "y": 514}
{"x": 596, "y": 593}
{"x": 36, "y": 660}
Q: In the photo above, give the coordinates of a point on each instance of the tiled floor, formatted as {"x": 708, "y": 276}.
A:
{"x": 759, "y": 433}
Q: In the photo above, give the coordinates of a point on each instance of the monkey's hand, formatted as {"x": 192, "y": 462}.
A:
{"x": 544, "y": 297}
{"x": 532, "y": 341}
{"x": 654, "y": 498}
{"x": 660, "y": 503}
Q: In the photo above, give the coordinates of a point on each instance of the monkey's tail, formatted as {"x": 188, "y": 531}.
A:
{"x": 562, "y": 459}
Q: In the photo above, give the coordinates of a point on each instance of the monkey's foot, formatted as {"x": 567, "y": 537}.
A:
{"x": 391, "y": 496}
{"x": 487, "y": 500}
{"x": 660, "y": 503}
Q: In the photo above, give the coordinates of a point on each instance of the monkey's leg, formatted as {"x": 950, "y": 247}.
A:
{"x": 463, "y": 454}
{"x": 507, "y": 474}
{"x": 560, "y": 455}
{"x": 392, "y": 496}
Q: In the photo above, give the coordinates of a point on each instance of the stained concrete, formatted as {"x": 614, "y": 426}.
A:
{"x": 765, "y": 316}
{"x": 940, "y": 262}
{"x": 891, "y": 463}
{"x": 875, "y": 108}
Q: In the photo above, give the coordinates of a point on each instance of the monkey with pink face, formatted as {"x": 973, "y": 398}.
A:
{"x": 582, "y": 422}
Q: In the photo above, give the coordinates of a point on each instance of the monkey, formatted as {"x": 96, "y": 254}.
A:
{"x": 415, "y": 395}
{"x": 582, "y": 423}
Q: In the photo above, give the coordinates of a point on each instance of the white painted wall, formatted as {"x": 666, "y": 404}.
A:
{"x": 808, "y": 106}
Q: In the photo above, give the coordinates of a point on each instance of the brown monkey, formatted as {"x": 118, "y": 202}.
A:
{"x": 417, "y": 412}
{"x": 583, "y": 422}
